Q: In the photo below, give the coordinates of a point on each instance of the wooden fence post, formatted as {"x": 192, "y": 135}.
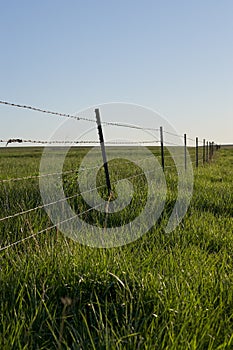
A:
{"x": 196, "y": 152}
{"x": 101, "y": 138}
{"x": 162, "y": 148}
{"x": 185, "y": 151}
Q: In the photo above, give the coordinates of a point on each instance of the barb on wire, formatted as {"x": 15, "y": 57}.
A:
{"x": 14, "y": 140}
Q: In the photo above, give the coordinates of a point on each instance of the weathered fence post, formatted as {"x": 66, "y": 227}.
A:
{"x": 203, "y": 151}
{"x": 101, "y": 138}
{"x": 162, "y": 148}
{"x": 185, "y": 151}
{"x": 210, "y": 146}
{"x": 196, "y": 152}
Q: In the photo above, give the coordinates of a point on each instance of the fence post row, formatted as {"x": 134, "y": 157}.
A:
{"x": 162, "y": 148}
{"x": 104, "y": 156}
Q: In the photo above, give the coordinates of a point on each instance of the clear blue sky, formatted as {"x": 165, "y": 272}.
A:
{"x": 173, "y": 56}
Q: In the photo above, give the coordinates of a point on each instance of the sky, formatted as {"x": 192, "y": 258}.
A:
{"x": 174, "y": 57}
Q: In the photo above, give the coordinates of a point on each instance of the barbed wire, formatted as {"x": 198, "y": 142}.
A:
{"x": 61, "y": 222}
{"x": 47, "y": 229}
{"x": 172, "y": 134}
{"x": 49, "y": 204}
{"x": 84, "y": 142}
{"x": 132, "y": 126}
{"x": 45, "y": 175}
{"x": 115, "y": 142}
{"x": 64, "y": 172}
{"x": 46, "y": 111}
{"x": 67, "y": 198}
{"x": 50, "y": 142}
{"x": 74, "y": 117}
{"x": 177, "y": 135}
{"x": 31, "y": 177}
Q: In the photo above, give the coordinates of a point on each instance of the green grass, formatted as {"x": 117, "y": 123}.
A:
{"x": 163, "y": 291}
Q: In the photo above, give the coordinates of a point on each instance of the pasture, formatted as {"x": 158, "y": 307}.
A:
{"x": 163, "y": 291}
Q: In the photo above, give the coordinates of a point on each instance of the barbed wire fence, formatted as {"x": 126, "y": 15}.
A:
{"x": 204, "y": 152}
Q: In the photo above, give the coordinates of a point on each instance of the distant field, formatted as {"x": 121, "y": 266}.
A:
{"x": 227, "y": 146}
{"x": 163, "y": 291}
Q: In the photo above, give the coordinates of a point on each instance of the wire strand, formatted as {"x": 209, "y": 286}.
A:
{"x": 74, "y": 117}
{"x": 47, "y": 229}
{"x": 78, "y": 142}
{"x": 46, "y": 111}
{"x": 45, "y": 175}
{"x": 48, "y": 204}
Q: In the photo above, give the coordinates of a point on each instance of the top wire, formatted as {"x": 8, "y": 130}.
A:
{"x": 125, "y": 125}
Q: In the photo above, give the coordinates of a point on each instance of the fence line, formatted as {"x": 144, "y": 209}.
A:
{"x": 207, "y": 154}
{"x": 78, "y": 118}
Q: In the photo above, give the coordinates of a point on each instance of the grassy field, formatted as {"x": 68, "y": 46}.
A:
{"x": 163, "y": 291}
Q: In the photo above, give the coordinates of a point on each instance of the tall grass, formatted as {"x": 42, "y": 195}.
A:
{"x": 163, "y": 291}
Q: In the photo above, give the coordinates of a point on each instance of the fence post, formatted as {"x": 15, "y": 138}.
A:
{"x": 162, "y": 148}
{"x": 203, "y": 151}
{"x": 185, "y": 151}
{"x": 196, "y": 152}
{"x": 101, "y": 138}
{"x": 212, "y": 150}
{"x": 207, "y": 151}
